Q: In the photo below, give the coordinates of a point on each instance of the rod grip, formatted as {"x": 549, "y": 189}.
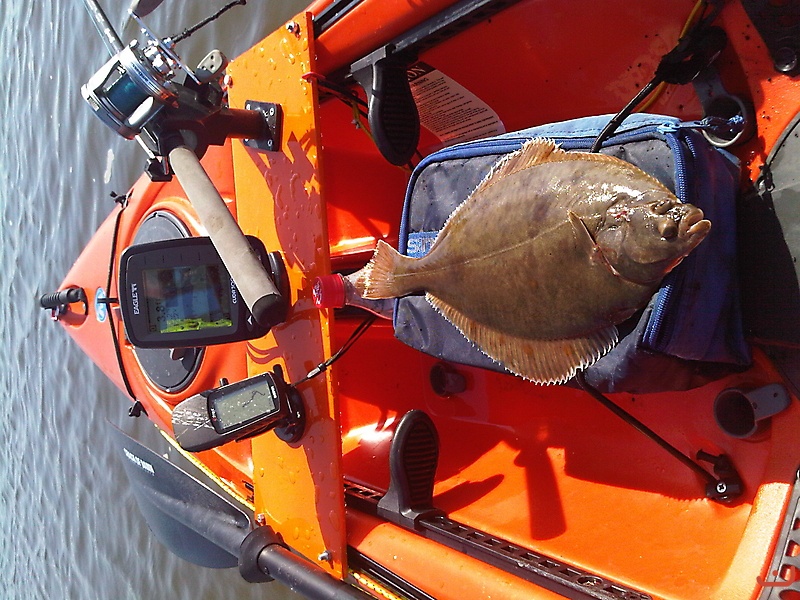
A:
{"x": 255, "y": 286}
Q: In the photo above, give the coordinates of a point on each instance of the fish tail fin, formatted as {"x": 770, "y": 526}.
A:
{"x": 378, "y": 279}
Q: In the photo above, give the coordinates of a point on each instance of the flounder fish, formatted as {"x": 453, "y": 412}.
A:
{"x": 550, "y": 252}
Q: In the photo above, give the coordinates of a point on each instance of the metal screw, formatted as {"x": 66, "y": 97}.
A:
{"x": 293, "y": 27}
{"x": 785, "y": 60}
{"x": 261, "y": 519}
{"x": 325, "y": 556}
{"x": 721, "y": 487}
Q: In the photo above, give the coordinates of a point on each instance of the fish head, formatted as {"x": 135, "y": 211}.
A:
{"x": 644, "y": 237}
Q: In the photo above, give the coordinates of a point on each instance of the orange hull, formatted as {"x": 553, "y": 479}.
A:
{"x": 546, "y": 469}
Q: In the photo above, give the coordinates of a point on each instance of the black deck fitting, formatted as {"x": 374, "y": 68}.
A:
{"x": 412, "y": 467}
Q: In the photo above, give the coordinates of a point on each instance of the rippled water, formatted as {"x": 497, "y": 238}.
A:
{"x": 69, "y": 526}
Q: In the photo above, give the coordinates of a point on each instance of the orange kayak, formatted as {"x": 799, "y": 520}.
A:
{"x": 522, "y": 490}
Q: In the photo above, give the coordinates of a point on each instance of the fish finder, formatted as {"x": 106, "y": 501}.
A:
{"x": 177, "y": 293}
{"x": 238, "y": 411}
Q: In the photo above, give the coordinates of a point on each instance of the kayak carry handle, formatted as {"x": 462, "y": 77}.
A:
{"x": 262, "y": 297}
{"x": 62, "y": 298}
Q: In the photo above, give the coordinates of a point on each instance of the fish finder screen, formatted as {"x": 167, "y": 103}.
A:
{"x": 242, "y": 403}
{"x": 187, "y": 298}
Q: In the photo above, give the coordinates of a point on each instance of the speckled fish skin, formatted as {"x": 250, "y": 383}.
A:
{"x": 551, "y": 246}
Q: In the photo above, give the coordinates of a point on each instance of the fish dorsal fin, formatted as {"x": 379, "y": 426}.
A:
{"x": 532, "y": 152}
{"x": 540, "y": 361}
{"x": 542, "y": 150}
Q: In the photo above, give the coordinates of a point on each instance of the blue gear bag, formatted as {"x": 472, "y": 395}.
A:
{"x": 690, "y": 332}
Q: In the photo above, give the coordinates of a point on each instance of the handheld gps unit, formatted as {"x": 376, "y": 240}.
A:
{"x": 238, "y": 411}
{"x": 177, "y": 293}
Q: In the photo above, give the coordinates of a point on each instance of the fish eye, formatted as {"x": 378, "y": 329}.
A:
{"x": 668, "y": 229}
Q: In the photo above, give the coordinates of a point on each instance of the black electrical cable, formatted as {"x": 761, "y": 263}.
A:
{"x": 323, "y": 366}
{"x": 641, "y": 427}
{"x": 617, "y": 119}
{"x": 695, "y": 50}
{"x": 341, "y": 92}
{"x": 123, "y": 204}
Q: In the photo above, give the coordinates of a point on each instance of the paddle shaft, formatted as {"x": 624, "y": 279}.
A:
{"x": 254, "y": 284}
{"x": 304, "y": 577}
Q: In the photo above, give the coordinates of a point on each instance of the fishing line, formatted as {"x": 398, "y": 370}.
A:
{"x": 187, "y": 32}
{"x": 323, "y": 366}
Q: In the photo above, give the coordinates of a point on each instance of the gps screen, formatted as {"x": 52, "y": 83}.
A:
{"x": 243, "y": 402}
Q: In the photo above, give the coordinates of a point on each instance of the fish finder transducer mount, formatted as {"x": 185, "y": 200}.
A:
{"x": 178, "y": 293}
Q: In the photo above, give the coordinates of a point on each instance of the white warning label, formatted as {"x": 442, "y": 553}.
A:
{"x": 449, "y": 110}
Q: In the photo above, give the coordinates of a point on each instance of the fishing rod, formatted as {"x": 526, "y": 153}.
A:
{"x": 104, "y": 27}
{"x": 144, "y": 7}
{"x": 137, "y": 95}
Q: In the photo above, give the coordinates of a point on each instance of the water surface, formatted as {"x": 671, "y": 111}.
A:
{"x": 69, "y": 526}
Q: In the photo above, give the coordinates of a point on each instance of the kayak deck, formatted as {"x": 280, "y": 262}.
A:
{"x": 545, "y": 468}
{"x": 552, "y": 470}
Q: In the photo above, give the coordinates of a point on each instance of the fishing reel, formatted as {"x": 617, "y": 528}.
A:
{"x": 131, "y": 89}
{"x": 137, "y": 94}
{"x": 138, "y": 82}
